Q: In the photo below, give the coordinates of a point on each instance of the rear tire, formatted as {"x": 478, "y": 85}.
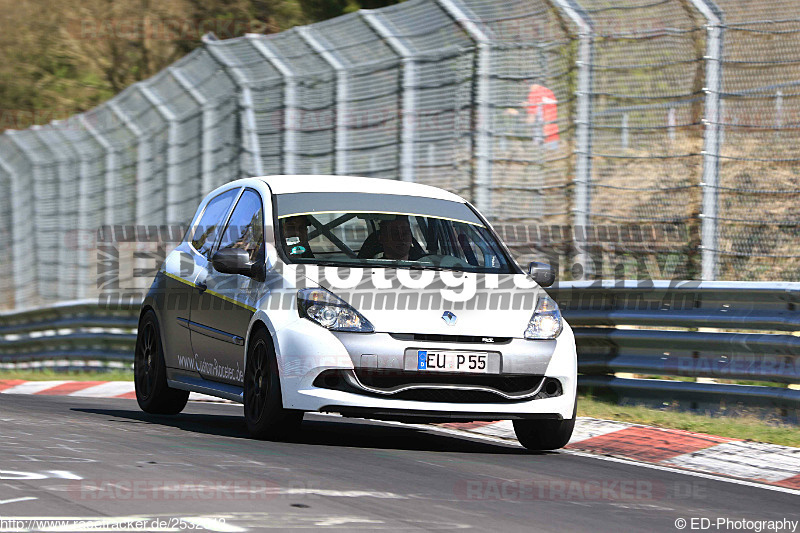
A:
{"x": 542, "y": 435}
{"x": 264, "y": 413}
{"x": 150, "y": 372}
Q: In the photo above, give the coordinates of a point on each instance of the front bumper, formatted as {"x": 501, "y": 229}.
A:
{"x": 306, "y": 350}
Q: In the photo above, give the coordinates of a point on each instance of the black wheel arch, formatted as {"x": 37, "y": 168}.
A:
{"x": 146, "y": 307}
{"x": 257, "y": 327}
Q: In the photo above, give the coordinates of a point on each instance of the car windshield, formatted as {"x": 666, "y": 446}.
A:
{"x": 373, "y": 230}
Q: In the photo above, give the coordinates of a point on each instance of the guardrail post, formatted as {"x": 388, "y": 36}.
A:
{"x": 711, "y": 137}
{"x": 581, "y": 208}
{"x": 483, "y": 130}
{"x": 290, "y": 115}
{"x": 342, "y": 112}
{"x": 409, "y": 86}
{"x": 249, "y": 135}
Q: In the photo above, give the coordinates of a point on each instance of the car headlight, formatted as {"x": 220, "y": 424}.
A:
{"x": 331, "y": 312}
{"x": 546, "y": 320}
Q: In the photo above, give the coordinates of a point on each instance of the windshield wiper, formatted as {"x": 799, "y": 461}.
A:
{"x": 326, "y": 263}
{"x": 393, "y": 264}
{"x": 430, "y": 267}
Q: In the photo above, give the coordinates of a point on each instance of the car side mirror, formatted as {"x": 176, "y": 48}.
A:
{"x": 232, "y": 261}
{"x": 542, "y": 273}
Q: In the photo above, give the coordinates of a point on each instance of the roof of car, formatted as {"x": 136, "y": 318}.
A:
{"x": 327, "y": 183}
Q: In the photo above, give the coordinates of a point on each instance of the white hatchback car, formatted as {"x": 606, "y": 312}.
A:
{"x": 365, "y": 297}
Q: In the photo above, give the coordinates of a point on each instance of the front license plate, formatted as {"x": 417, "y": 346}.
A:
{"x": 431, "y": 361}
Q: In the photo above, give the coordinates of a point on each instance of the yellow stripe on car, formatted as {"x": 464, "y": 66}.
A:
{"x": 213, "y": 293}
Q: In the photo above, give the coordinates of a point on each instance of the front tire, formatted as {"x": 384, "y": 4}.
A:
{"x": 150, "y": 372}
{"x": 542, "y": 435}
{"x": 264, "y": 413}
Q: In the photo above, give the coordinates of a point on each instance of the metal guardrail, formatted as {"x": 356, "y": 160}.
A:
{"x": 731, "y": 331}
{"x": 80, "y": 330}
{"x": 655, "y": 328}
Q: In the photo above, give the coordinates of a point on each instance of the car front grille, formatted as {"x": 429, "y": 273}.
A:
{"x": 387, "y": 380}
{"x": 450, "y": 388}
{"x": 450, "y": 396}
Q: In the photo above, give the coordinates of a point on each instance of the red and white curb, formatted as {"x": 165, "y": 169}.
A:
{"x": 86, "y": 389}
{"x": 736, "y": 458}
{"x": 754, "y": 461}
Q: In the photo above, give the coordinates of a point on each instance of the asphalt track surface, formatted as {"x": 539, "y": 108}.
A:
{"x": 92, "y": 458}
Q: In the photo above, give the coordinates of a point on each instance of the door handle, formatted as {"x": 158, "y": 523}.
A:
{"x": 201, "y": 287}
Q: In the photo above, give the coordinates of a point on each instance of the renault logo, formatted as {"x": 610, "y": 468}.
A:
{"x": 449, "y": 318}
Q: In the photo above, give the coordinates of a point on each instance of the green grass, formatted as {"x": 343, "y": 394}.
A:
{"x": 745, "y": 427}
{"x": 51, "y": 375}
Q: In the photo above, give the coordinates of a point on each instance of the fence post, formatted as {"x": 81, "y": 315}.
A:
{"x": 711, "y": 138}
{"x": 142, "y": 157}
{"x": 583, "y": 131}
{"x": 23, "y": 238}
{"x": 248, "y": 121}
{"x": 207, "y": 142}
{"x": 173, "y": 158}
{"x": 64, "y": 157}
{"x": 409, "y": 87}
{"x": 342, "y": 97}
{"x": 625, "y": 133}
{"x": 251, "y": 129}
{"x": 35, "y": 237}
{"x": 484, "y": 130}
{"x": 290, "y": 115}
{"x": 12, "y": 252}
{"x": 110, "y": 157}
{"x": 82, "y": 269}
{"x": 671, "y": 123}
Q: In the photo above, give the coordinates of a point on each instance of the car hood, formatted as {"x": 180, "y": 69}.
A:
{"x": 414, "y": 301}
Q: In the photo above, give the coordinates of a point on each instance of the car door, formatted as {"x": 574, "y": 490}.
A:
{"x": 181, "y": 271}
{"x": 223, "y": 310}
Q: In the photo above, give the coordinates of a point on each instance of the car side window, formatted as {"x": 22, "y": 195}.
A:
{"x": 207, "y": 230}
{"x": 246, "y": 227}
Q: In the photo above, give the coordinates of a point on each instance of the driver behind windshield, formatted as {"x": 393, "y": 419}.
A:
{"x": 295, "y": 236}
{"x": 395, "y": 238}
